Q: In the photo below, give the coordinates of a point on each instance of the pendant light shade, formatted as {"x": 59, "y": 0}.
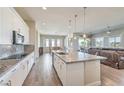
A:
{"x": 70, "y": 35}
{"x": 75, "y": 25}
{"x": 109, "y": 30}
{"x": 84, "y": 21}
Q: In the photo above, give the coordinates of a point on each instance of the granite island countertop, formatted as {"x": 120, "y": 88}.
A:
{"x": 75, "y": 57}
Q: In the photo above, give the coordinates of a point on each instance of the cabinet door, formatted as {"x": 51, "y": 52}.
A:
{"x": 14, "y": 80}
{"x": 21, "y": 27}
{"x": 63, "y": 72}
{"x": 25, "y": 32}
{"x": 24, "y": 70}
{"x": 30, "y": 61}
{"x": 7, "y": 25}
{"x": 19, "y": 75}
{"x": 29, "y": 65}
{"x": 17, "y": 23}
{"x": 0, "y": 25}
{"x": 56, "y": 64}
{"x": 5, "y": 80}
{"x": 60, "y": 67}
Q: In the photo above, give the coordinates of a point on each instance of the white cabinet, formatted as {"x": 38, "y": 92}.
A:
{"x": 56, "y": 63}
{"x": 9, "y": 21}
{"x": 22, "y": 28}
{"x": 60, "y": 67}
{"x": 69, "y": 74}
{"x": 78, "y": 73}
{"x": 1, "y": 24}
{"x": 7, "y": 25}
{"x": 4, "y": 80}
{"x": 17, "y": 75}
{"x": 30, "y": 61}
{"x": 63, "y": 72}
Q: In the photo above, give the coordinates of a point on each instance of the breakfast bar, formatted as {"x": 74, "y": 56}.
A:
{"x": 77, "y": 68}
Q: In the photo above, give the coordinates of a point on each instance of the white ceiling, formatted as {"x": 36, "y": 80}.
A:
{"x": 57, "y": 18}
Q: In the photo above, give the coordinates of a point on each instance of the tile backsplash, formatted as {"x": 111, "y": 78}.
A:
{"x": 28, "y": 48}
{"x": 7, "y": 50}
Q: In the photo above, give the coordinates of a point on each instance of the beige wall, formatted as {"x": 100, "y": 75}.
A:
{"x": 117, "y": 32}
{"x": 33, "y": 36}
{"x": 43, "y": 37}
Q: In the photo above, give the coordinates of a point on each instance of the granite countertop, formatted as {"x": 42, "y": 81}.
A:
{"x": 75, "y": 57}
{"x": 9, "y": 62}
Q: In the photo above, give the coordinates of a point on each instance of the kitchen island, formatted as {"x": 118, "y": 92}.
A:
{"x": 77, "y": 68}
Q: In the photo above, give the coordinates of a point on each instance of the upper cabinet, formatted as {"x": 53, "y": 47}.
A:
{"x": 7, "y": 25}
{"x": 10, "y": 20}
{"x": 0, "y": 24}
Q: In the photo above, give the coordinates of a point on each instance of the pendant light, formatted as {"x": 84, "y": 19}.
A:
{"x": 70, "y": 35}
{"x": 84, "y": 21}
{"x": 109, "y": 30}
{"x": 75, "y": 24}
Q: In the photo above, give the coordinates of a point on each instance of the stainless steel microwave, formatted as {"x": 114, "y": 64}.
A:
{"x": 17, "y": 38}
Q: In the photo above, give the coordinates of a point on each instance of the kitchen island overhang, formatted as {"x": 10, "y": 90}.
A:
{"x": 77, "y": 68}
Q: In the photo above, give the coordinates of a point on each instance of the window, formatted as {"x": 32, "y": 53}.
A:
{"x": 84, "y": 42}
{"x": 99, "y": 42}
{"x": 111, "y": 41}
{"x": 114, "y": 42}
{"x": 58, "y": 43}
{"x": 53, "y": 42}
{"x": 47, "y": 43}
{"x": 117, "y": 43}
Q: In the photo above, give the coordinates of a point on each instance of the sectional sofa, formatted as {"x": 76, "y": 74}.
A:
{"x": 115, "y": 57}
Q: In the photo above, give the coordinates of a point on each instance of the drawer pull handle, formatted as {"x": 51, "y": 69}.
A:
{"x": 1, "y": 81}
{"x": 9, "y": 83}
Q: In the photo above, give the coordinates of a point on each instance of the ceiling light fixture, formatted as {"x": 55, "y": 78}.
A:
{"x": 109, "y": 30}
{"x": 75, "y": 24}
{"x": 44, "y": 8}
{"x": 84, "y": 21}
{"x": 70, "y": 35}
{"x": 69, "y": 24}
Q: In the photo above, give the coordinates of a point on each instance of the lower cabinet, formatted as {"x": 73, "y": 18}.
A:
{"x": 63, "y": 72}
{"x": 17, "y": 75}
{"x": 69, "y": 74}
{"x": 60, "y": 67}
{"x": 78, "y": 74}
{"x": 30, "y": 62}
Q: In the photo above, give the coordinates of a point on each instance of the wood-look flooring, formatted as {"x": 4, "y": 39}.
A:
{"x": 43, "y": 74}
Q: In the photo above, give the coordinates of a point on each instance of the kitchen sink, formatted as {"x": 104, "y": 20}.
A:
{"x": 62, "y": 53}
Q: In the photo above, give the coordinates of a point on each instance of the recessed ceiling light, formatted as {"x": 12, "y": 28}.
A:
{"x": 44, "y": 8}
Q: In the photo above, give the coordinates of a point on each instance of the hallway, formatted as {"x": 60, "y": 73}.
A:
{"x": 43, "y": 74}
